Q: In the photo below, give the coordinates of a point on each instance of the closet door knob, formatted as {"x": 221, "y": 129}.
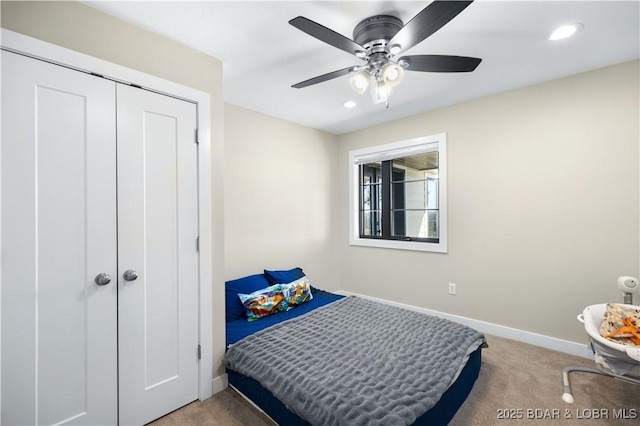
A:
{"x": 130, "y": 275}
{"x": 102, "y": 279}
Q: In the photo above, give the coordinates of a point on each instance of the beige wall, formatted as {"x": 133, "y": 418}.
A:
{"x": 543, "y": 205}
{"x": 87, "y": 30}
{"x": 280, "y": 197}
{"x": 543, "y": 187}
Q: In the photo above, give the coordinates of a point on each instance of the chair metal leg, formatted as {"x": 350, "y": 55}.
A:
{"x": 566, "y": 383}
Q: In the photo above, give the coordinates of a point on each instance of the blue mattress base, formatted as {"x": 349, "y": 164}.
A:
{"x": 440, "y": 414}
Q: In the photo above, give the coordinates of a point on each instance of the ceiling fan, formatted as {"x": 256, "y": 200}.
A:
{"x": 379, "y": 39}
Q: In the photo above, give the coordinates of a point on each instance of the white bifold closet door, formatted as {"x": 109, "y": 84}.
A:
{"x": 157, "y": 231}
{"x": 59, "y": 328}
{"x": 97, "y": 178}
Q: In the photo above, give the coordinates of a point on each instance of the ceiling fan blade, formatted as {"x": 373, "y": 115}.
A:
{"x": 440, "y": 63}
{"x": 427, "y": 22}
{"x": 324, "y": 77}
{"x": 327, "y": 35}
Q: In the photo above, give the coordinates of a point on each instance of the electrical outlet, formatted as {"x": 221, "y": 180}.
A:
{"x": 452, "y": 289}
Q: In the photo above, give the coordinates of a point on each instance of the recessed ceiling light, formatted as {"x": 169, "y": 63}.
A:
{"x": 565, "y": 31}
{"x": 349, "y": 104}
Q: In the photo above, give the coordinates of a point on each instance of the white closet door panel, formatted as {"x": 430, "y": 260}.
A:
{"x": 157, "y": 221}
{"x": 59, "y": 329}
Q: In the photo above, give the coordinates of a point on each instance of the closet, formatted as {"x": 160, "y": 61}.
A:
{"x": 99, "y": 227}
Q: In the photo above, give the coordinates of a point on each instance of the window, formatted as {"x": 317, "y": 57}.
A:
{"x": 398, "y": 195}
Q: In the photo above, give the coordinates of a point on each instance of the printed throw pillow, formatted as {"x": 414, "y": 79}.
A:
{"x": 264, "y": 302}
{"x": 614, "y": 320}
{"x": 298, "y": 292}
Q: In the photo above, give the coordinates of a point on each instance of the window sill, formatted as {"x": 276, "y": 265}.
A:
{"x": 440, "y": 247}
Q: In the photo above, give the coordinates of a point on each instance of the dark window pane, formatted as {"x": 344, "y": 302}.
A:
{"x": 371, "y": 172}
{"x": 371, "y": 220}
{"x": 398, "y": 224}
{"x": 399, "y": 197}
{"x": 370, "y": 193}
{"x": 371, "y": 197}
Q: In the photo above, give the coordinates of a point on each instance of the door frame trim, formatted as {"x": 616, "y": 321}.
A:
{"x": 58, "y": 55}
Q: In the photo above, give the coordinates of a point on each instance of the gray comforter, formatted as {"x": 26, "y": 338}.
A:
{"x": 357, "y": 362}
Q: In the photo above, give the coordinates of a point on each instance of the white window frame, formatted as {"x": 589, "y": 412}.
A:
{"x": 398, "y": 149}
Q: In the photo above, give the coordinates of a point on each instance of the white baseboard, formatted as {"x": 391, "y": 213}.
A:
{"x": 220, "y": 383}
{"x": 547, "y": 342}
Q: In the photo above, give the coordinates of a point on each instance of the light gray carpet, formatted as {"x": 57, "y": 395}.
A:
{"x": 516, "y": 379}
{"x": 519, "y": 376}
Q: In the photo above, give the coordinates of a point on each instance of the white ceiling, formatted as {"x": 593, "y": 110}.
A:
{"x": 263, "y": 55}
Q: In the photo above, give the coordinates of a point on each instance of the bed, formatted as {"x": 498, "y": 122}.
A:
{"x": 347, "y": 360}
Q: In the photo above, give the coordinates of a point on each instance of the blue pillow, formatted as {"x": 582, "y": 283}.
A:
{"x": 284, "y": 277}
{"x": 245, "y": 285}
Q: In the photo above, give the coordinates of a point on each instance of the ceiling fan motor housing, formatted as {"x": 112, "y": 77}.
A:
{"x": 375, "y": 32}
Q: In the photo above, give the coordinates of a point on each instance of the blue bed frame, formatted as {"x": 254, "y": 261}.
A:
{"x": 440, "y": 414}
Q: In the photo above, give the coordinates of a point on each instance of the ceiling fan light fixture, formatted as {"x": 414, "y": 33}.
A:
{"x": 360, "y": 82}
{"x": 392, "y": 74}
{"x": 565, "y": 31}
{"x": 394, "y": 49}
{"x": 380, "y": 92}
